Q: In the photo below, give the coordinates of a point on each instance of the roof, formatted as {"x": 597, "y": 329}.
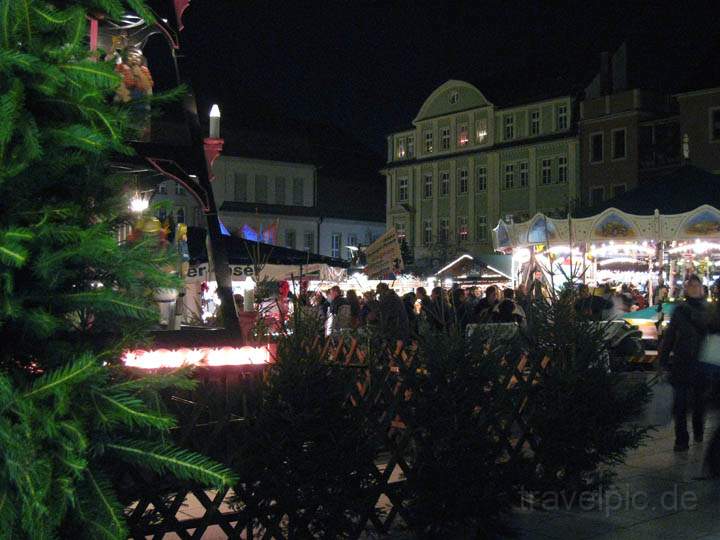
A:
{"x": 241, "y": 251}
{"x": 673, "y": 193}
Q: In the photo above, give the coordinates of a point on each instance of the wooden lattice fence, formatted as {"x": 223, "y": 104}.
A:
{"x": 382, "y": 387}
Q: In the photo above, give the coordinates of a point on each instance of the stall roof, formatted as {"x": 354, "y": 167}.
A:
{"x": 677, "y": 192}
{"x": 479, "y": 266}
{"x": 241, "y": 251}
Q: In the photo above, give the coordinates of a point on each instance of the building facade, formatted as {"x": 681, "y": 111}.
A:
{"x": 466, "y": 163}
{"x": 178, "y": 202}
{"x": 279, "y": 202}
{"x": 699, "y": 117}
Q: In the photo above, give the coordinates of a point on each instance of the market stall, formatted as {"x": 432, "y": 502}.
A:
{"x": 615, "y": 247}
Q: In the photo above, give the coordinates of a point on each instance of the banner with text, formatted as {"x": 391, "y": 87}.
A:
{"x": 384, "y": 257}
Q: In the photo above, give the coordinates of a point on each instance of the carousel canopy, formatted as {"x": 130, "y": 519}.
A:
{"x": 241, "y": 252}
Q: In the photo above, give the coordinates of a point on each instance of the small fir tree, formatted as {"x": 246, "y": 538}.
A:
{"x": 66, "y": 284}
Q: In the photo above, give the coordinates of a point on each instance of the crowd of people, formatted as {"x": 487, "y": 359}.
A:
{"x": 397, "y": 317}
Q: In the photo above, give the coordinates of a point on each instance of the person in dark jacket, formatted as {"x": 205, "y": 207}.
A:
{"x": 408, "y": 300}
{"x": 394, "y": 323}
{"x": 484, "y": 308}
{"x": 439, "y": 311}
{"x": 679, "y": 352}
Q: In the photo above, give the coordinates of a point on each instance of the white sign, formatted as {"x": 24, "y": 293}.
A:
{"x": 383, "y": 256}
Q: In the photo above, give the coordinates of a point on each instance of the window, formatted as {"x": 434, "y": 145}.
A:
{"x": 280, "y": 190}
{"x": 427, "y": 232}
{"x": 596, "y": 148}
{"x": 546, "y": 172}
{"x": 411, "y": 147}
{"x": 428, "y": 141}
{"x": 618, "y": 189}
{"x": 523, "y": 166}
{"x": 180, "y": 215}
{"x": 715, "y": 124}
{"x": 309, "y": 241}
{"x": 481, "y": 175}
{"x": 686, "y": 146}
{"x": 290, "y": 238}
{"x": 427, "y": 186}
{"x": 241, "y": 187}
{"x": 444, "y": 232}
{"x": 509, "y": 176}
{"x": 509, "y": 123}
{"x": 454, "y": 97}
{"x": 261, "y": 188}
{"x": 562, "y": 117}
{"x": 198, "y": 215}
{"x": 162, "y": 188}
{"x": 298, "y": 196}
{"x": 562, "y": 170}
{"x": 482, "y": 229}
{"x": 481, "y": 131}
{"x": 400, "y": 145}
{"x": 179, "y": 190}
{"x": 335, "y": 245}
{"x": 402, "y": 189}
{"x": 352, "y": 240}
{"x": 535, "y": 122}
{"x": 462, "y": 228}
{"x": 463, "y": 136}
{"x": 597, "y": 194}
{"x": 445, "y": 138}
{"x": 618, "y": 143}
{"x": 162, "y": 214}
{"x": 462, "y": 181}
{"x": 400, "y": 230}
{"x": 444, "y": 183}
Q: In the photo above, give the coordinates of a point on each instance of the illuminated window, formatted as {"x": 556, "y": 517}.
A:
{"x": 428, "y": 141}
{"x": 162, "y": 188}
{"x": 427, "y": 186}
{"x": 309, "y": 241}
{"x": 509, "y": 123}
{"x": 427, "y": 232}
{"x": 482, "y": 229}
{"x": 481, "y": 131}
{"x": 523, "y": 167}
{"x": 444, "y": 183}
{"x": 400, "y": 144}
{"x": 445, "y": 138}
{"x": 335, "y": 245}
{"x": 462, "y": 181}
{"x": 463, "y": 136}
{"x": 279, "y": 190}
{"x": 411, "y": 147}
{"x": 509, "y": 176}
{"x": 290, "y": 238}
{"x": 562, "y": 117}
{"x": 481, "y": 175}
{"x": 462, "y": 228}
{"x": 562, "y": 170}
{"x": 402, "y": 189}
{"x": 535, "y": 122}
{"x": 546, "y": 172}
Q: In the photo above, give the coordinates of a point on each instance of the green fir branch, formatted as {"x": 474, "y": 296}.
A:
{"x": 71, "y": 374}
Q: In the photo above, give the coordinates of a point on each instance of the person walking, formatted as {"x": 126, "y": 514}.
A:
{"x": 338, "y": 312}
{"x": 679, "y": 353}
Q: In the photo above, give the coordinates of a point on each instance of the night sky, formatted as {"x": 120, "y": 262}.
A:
{"x": 368, "y": 66}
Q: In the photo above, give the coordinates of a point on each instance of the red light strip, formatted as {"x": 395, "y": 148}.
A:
{"x": 199, "y": 356}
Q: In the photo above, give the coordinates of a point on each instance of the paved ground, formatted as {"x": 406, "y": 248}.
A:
{"x": 657, "y": 494}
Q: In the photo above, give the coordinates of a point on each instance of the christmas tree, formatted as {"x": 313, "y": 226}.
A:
{"x": 71, "y": 297}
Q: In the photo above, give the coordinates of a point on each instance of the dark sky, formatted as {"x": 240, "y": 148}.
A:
{"x": 368, "y": 66}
